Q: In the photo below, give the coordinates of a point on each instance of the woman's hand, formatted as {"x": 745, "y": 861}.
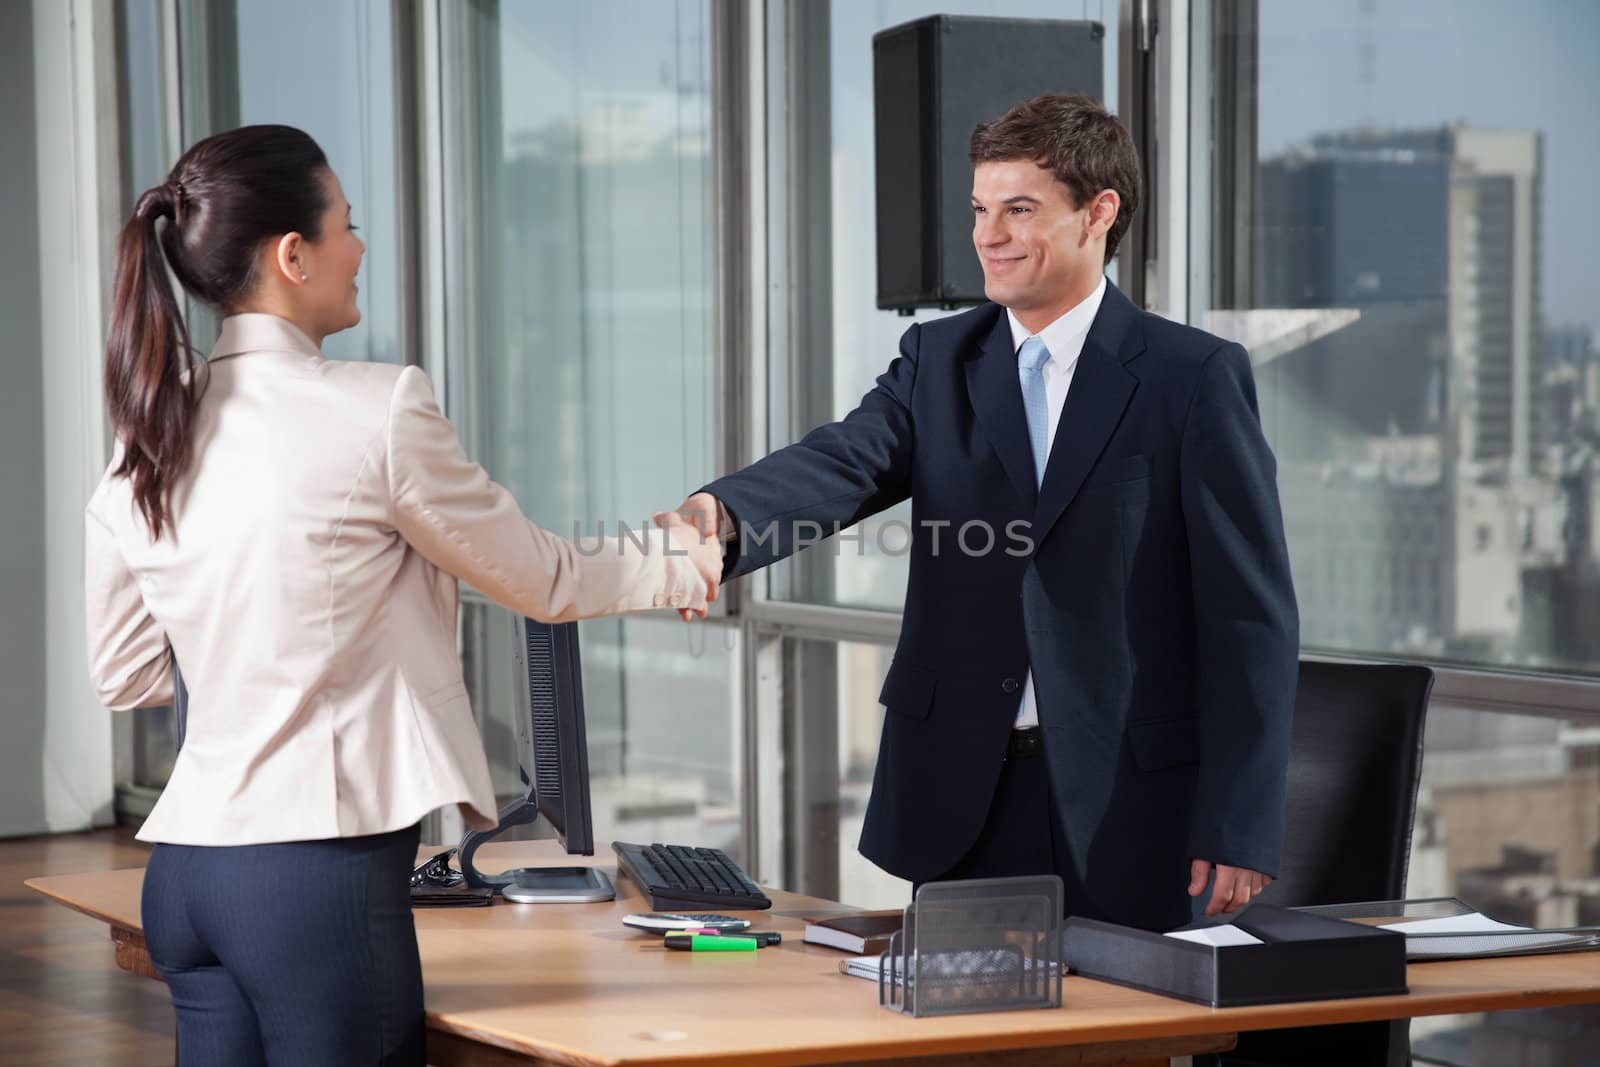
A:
{"x": 704, "y": 552}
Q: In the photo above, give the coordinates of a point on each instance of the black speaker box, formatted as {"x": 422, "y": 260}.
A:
{"x": 933, "y": 81}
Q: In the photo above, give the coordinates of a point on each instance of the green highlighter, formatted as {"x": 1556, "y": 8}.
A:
{"x": 710, "y": 943}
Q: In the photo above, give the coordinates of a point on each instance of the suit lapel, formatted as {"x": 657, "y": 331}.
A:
{"x": 1100, "y": 391}
{"x": 997, "y": 398}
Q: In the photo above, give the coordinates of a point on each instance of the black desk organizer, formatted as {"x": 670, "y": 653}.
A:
{"x": 1303, "y": 957}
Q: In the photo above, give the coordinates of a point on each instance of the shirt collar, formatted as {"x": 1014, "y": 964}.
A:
{"x": 1063, "y": 338}
{"x": 259, "y": 332}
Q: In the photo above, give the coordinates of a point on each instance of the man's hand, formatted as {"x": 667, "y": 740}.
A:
{"x": 703, "y": 511}
{"x": 1235, "y": 887}
{"x": 702, "y": 546}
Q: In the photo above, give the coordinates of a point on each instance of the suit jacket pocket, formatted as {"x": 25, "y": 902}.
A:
{"x": 1121, "y": 469}
{"x": 908, "y": 690}
{"x": 1163, "y": 743}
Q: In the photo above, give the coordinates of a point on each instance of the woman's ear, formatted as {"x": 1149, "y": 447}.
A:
{"x": 290, "y": 262}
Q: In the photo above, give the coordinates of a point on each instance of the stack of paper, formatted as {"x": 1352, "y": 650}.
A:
{"x": 1475, "y": 934}
{"x": 1451, "y": 937}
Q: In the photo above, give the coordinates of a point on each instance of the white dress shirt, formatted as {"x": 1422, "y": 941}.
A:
{"x": 1064, "y": 339}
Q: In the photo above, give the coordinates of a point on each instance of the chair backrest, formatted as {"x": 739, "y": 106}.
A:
{"x": 1355, "y": 759}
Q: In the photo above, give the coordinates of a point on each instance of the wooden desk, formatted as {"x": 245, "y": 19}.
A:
{"x": 568, "y": 984}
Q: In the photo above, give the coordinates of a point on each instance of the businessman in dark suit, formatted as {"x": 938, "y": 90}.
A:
{"x": 1105, "y": 693}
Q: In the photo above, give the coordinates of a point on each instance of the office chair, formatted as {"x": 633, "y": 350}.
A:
{"x": 1355, "y": 760}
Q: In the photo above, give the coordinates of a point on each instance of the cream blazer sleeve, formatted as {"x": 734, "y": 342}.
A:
{"x": 129, "y": 657}
{"x": 450, "y": 511}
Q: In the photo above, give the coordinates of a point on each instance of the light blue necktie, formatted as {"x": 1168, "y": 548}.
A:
{"x": 1030, "y": 358}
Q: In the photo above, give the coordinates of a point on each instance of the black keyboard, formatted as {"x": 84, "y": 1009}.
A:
{"x": 680, "y": 878}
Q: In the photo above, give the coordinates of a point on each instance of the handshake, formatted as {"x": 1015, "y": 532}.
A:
{"x": 696, "y": 528}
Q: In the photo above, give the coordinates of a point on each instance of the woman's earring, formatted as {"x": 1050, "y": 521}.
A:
{"x": 302, "y": 275}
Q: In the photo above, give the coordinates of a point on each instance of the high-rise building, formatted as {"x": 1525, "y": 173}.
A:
{"x": 1409, "y": 438}
{"x": 1434, "y": 236}
{"x": 1494, "y": 294}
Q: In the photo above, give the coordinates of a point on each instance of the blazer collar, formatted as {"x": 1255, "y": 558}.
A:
{"x": 997, "y": 400}
{"x": 257, "y": 332}
{"x": 1101, "y": 388}
{"x": 1116, "y": 331}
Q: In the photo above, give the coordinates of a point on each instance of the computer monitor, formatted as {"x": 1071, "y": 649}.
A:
{"x": 553, "y": 756}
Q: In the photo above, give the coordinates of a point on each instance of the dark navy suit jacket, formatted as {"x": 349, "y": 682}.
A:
{"x": 1146, "y": 584}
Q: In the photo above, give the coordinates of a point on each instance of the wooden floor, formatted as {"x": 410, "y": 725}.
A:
{"x": 62, "y": 999}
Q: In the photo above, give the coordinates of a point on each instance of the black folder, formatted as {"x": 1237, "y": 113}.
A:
{"x": 1302, "y": 957}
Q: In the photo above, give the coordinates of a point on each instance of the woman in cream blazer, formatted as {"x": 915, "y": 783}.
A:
{"x": 291, "y": 530}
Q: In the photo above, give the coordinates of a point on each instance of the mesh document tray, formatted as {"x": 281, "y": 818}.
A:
{"x": 990, "y": 944}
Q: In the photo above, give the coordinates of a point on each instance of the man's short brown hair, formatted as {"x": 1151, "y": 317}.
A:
{"x": 1075, "y": 139}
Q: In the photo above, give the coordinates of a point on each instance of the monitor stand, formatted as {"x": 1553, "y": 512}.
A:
{"x": 531, "y": 885}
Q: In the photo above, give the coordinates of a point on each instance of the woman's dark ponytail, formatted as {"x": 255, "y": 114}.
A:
{"x": 224, "y": 197}
{"x": 150, "y": 388}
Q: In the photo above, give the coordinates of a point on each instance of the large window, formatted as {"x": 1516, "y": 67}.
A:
{"x": 1392, "y": 212}
{"x": 1509, "y": 816}
{"x": 327, "y": 68}
{"x": 1508, "y": 819}
{"x": 579, "y": 241}
{"x": 145, "y": 758}
{"x": 861, "y": 671}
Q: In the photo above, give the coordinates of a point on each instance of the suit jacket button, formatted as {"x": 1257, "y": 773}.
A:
{"x": 1009, "y": 685}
